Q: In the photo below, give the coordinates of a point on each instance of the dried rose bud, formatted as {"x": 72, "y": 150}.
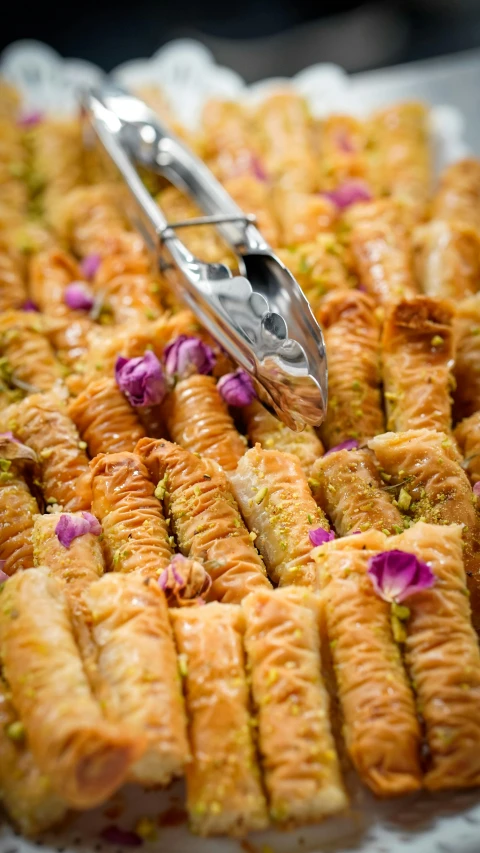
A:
{"x": 320, "y": 536}
{"x": 349, "y": 444}
{"x": 79, "y": 296}
{"x": 349, "y": 193}
{"x": 90, "y": 265}
{"x": 188, "y": 355}
{"x": 71, "y": 526}
{"x": 397, "y": 574}
{"x": 185, "y": 582}
{"x": 236, "y": 388}
{"x": 141, "y": 379}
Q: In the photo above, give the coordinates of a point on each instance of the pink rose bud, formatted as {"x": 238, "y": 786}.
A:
{"x": 320, "y": 536}
{"x": 141, "y": 379}
{"x": 349, "y": 444}
{"x": 349, "y": 193}
{"x": 90, "y": 265}
{"x": 71, "y": 526}
{"x": 79, "y": 296}
{"x": 30, "y": 119}
{"x": 236, "y": 388}
{"x": 188, "y": 355}
{"x": 397, "y": 574}
{"x": 29, "y": 305}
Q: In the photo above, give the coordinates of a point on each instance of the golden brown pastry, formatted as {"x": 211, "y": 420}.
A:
{"x": 467, "y": 435}
{"x": 136, "y": 537}
{"x": 458, "y": 197}
{"x": 447, "y": 258}
{"x": 265, "y": 429}
{"x": 319, "y": 267}
{"x": 105, "y": 419}
{"x": 467, "y": 360}
{"x": 17, "y": 506}
{"x": 29, "y": 357}
{"x": 224, "y": 793}
{"x": 205, "y": 518}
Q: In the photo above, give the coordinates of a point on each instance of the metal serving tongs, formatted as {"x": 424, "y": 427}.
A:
{"x": 261, "y": 317}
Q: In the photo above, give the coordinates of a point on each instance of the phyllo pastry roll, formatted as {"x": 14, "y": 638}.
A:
{"x": 13, "y": 291}
{"x": 277, "y": 505}
{"x": 467, "y": 360}
{"x": 228, "y": 139}
{"x": 458, "y": 196}
{"x": 41, "y": 422}
{"x": 25, "y": 792}
{"x": 205, "y": 518}
{"x": 418, "y": 351}
{"x": 434, "y": 488}
{"x": 349, "y": 489}
{"x": 85, "y": 757}
{"x": 401, "y": 154}
{"x": 105, "y": 419}
{"x": 75, "y": 562}
{"x": 29, "y": 356}
{"x": 18, "y": 507}
{"x": 342, "y": 151}
{"x": 198, "y": 419}
{"x": 467, "y": 434}
{"x": 380, "y": 726}
{"x": 443, "y": 657}
{"x": 51, "y": 271}
{"x": 135, "y": 533}
{"x": 319, "y": 267}
{"x": 299, "y": 759}
{"x": 137, "y": 681}
{"x": 271, "y": 434}
{"x": 224, "y": 793}
{"x": 380, "y": 250}
{"x": 57, "y": 153}
{"x": 352, "y": 339}
{"x": 132, "y": 293}
{"x": 285, "y": 135}
{"x": 303, "y": 217}
{"x": 447, "y": 258}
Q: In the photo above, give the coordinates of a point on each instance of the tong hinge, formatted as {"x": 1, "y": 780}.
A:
{"x": 214, "y": 219}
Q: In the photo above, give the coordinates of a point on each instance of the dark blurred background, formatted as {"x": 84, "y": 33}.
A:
{"x": 258, "y": 38}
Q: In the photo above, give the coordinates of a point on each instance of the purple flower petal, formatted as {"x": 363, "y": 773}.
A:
{"x": 396, "y": 575}
{"x": 184, "y": 581}
{"x": 257, "y": 169}
{"x": 141, "y": 379}
{"x": 476, "y": 489}
{"x": 236, "y": 388}
{"x": 30, "y": 119}
{"x": 10, "y": 437}
{"x": 71, "y": 526}
{"x": 344, "y": 142}
{"x": 350, "y": 444}
{"x": 188, "y": 355}
{"x": 29, "y": 305}
{"x": 79, "y": 296}
{"x": 90, "y": 265}
{"x": 349, "y": 193}
{"x": 320, "y": 536}
{"x": 121, "y": 837}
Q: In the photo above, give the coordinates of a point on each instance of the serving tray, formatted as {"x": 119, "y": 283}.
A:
{"x": 187, "y": 73}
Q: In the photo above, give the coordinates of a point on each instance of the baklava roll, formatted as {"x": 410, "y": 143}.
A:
{"x": 85, "y": 757}
{"x": 13, "y": 290}
{"x": 349, "y": 489}
{"x": 418, "y": 350}
{"x": 435, "y": 489}
{"x": 447, "y": 258}
{"x": 131, "y": 294}
{"x": 50, "y": 273}
{"x": 458, "y": 196}
{"x": 443, "y": 658}
{"x": 41, "y": 422}
{"x": 303, "y": 217}
{"x": 342, "y": 141}
{"x": 205, "y": 518}
{"x": 13, "y": 167}
{"x": 352, "y": 339}
{"x": 229, "y": 143}
{"x": 271, "y": 434}
{"x": 319, "y": 267}
{"x": 25, "y": 792}
{"x": 380, "y": 251}
{"x": 57, "y": 160}
{"x": 402, "y": 156}
{"x": 380, "y": 726}
{"x": 285, "y": 136}
{"x": 198, "y": 419}
{"x": 299, "y": 759}
{"x": 29, "y": 356}
{"x": 105, "y": 418}
{"x": 467, "y": 435}
{"x": 137, "y": 680}
{"x": 135, "y": 533}
{"x": 224, "y": 792}
{"x": 18, "y": 508}
{"x": 277, "y": 505}
{"x": 466, "y": 370}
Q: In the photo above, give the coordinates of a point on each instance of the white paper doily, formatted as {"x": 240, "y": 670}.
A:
{"x": 188, "y": 75}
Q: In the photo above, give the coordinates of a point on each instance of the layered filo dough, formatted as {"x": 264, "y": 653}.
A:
{"x": 198, "y": 419}
{"x": 348, "y": 487}
{"x": 18, "y": 507}
{"x": 467, "y": 436}
{"x": 277, "y": 505}
{"x": 352, "y": 339}
{"x": 417, "y": 353}
{"x": 299, "y": 758}
{"x": 380, "y": 726}
{"x": 135, "y": 532}
{"x": 265, "y": 429}
{"x": 28, "y": 354}
{"x": 447, "y": 258}
{"x": 205, "y": 518}
{"x": 467, "y": 359}
{"x": 85, "y": 757}
{"x": 105, "y": 419}
{"x": 224, "y": 792}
